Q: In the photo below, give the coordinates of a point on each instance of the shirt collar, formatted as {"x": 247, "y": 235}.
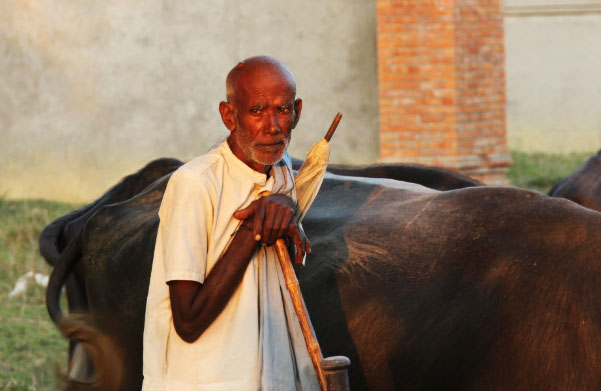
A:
{"x": 280, "y": 177}
{"x": 255, "y": 176}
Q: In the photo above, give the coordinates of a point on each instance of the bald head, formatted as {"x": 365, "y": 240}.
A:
{"x": 261, "y": 111}
{"x": 260, "y": 67}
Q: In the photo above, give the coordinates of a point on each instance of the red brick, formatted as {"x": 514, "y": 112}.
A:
{"x": 441, "y": 81}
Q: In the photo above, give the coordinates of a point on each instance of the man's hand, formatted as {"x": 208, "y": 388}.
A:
{"x": 273, "y": 217}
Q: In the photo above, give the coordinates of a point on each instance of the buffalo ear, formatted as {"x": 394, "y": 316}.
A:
{"x": 228, "y": 116}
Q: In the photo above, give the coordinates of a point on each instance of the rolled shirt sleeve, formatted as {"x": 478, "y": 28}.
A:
{"x": 186, "y": 214}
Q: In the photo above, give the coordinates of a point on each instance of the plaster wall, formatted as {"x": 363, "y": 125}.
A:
{"x": 553, "y": 75}
{"x": 91, "y": 91}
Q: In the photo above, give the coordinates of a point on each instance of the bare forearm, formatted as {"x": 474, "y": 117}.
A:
{"x": 196, "y": 307}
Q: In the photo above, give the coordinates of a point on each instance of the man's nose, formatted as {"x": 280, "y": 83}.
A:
{"x": 272, "y": 123}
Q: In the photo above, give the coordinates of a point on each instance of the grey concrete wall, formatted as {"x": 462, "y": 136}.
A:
{"x": 92, "y": 90}
{"x": 553, "y": 70}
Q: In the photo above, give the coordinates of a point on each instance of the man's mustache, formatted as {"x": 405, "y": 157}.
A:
{"x": 271, "y": 142}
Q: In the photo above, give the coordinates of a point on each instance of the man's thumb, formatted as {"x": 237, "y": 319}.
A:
{"x": 245, "y": 213}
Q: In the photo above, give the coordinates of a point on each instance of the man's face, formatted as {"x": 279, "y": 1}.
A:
{"x": 264, "y": 112}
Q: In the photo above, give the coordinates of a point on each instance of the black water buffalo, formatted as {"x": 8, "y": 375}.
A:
{"x": 433, "y": 177}
{"x": 482, "y": 288}
{"x": 55, "y": 237}
{"x": 583, "y": 186}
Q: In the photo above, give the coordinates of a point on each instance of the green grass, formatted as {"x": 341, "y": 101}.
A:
{"x": 540, "y": 171}
{"x": 32, "y": 352}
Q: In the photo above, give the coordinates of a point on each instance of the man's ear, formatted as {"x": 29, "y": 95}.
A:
{"x": 298, "y": 107}
{"x": 228, "y": 116}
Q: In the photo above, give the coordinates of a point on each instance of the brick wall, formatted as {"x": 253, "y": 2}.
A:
{"x": 442, "y": 86}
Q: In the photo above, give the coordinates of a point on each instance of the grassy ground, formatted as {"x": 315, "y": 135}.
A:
{"x": 31, "y": 350}
{"x": 538, "y": 171}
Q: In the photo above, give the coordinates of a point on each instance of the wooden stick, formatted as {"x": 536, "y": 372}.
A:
{"x": 301, "y": 310}
{"x": 296, "y": 296}
{"x": 333, "y": 127}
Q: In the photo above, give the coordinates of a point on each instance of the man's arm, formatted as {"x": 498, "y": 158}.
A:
{"x": 195, "y": 306}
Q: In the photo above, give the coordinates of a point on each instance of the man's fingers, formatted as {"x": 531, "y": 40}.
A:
{"x": 281, "y": 220}
{"x": 245, "y": 213}
{"x": 255, "y": 210}
{"x": 272, "y": 213}
{"x": 300, "y": 251}
{"x": 272, "y": 217}
{"x": 284, "y": 223}
{"x": 258, "y": 221}
{"x": 306, "y": 246}
{"x": 299, "y": 240}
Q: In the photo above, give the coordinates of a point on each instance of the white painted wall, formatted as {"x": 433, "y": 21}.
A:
{"x": 553, "y": 70}
{"x": 92, "y": 90}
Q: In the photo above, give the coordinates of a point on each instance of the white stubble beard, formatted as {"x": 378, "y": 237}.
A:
{"x": 251, "y": 153}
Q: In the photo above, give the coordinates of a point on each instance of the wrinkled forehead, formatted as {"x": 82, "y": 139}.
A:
{"x": 248, "y": 79}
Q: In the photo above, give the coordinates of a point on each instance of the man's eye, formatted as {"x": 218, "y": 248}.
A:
{"x": 284, "y": 109}
{"x": 254, "y": 110}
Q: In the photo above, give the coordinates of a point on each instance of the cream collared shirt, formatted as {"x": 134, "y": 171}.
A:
{"x": 248, "y": 346}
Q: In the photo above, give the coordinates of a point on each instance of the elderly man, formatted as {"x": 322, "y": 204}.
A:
{"x": 216, "y": 316}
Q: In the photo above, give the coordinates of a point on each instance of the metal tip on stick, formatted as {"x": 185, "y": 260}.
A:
{"x": 333, "y": 127}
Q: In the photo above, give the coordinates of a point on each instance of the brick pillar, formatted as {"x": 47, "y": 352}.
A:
{"x": 442, "y": 85}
